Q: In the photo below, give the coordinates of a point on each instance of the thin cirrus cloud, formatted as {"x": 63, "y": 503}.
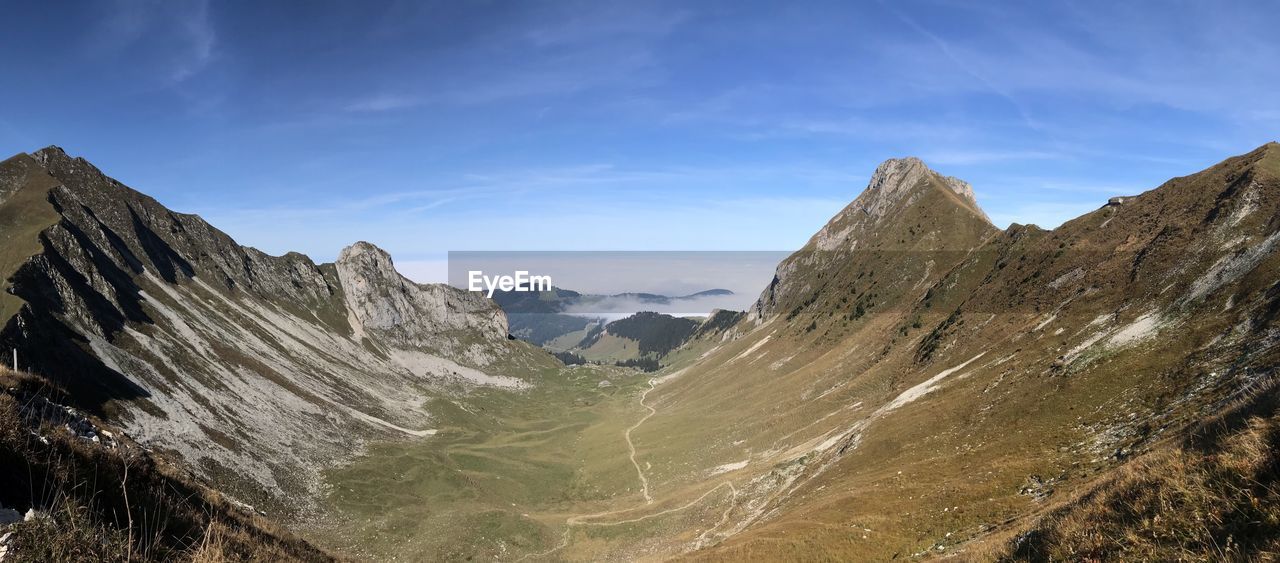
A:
{"x": 561, "y": 75}
{"x": 987, "y": 156}
{"x": 174, "y": 41}
{"x": 200, "y": 39}
{"x": 384, "y": 102}
{"x": 963, "y": 65}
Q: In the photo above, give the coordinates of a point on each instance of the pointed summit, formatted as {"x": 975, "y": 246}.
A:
{"x": 897, "y": 177}
{"x": 907, "y": 216}
{"x": 896, "y": 186}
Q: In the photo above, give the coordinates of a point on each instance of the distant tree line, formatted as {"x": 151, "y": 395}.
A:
{"x": 643, "y": 364}
{"x": 569, "y": 358}
{"x": 541, "y": 328}
{"x": 720, "y": 321}
{"x": 657, "y": 334}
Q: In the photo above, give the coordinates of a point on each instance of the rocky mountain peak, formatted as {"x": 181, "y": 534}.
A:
{"x": 50, "y": 150}
{"x": 897, "y": 178}
{"x": 54, "y": 156}
{"x": 896, "y": 186}
{"x": 906, "y": 208}
{"x": 368, "y": 255}
{"x": 893, "y": 178}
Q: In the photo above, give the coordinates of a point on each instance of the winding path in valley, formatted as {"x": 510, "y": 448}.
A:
{"x": 631, "y": 447}
{"x": 582, "y": 519}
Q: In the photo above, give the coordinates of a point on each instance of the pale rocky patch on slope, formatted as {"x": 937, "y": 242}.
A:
{"x": 1232, "y": 266}
{"x": 927, "y": 386}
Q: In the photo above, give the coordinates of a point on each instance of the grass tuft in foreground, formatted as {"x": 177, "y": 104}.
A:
{"x": 99, "y": 503}
{"x": 1213, "y": 497}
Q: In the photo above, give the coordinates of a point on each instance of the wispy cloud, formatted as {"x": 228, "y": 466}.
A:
{"x": 196, "y": 30}
{"x": 607, "y": 21}
{"x": 178, "y": 36}
{"x": 967, "y": 157}
{"x": 532, "y": 191}
{"x": 1097, "y": 190}
{"x": 1119, "y": 54}
{"x": 552, "y": 76}
{"x": 384, "y": 102}
{"x": 560, "y": 51}
{"x": 945, "y": 48}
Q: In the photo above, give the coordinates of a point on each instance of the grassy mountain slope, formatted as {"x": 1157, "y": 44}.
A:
{"x": 1040, "y": 356}
{"x": 23, "y": 187}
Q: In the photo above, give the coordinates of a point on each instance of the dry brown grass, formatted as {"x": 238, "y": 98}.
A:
{"x": 1213, "y": 497}
{"x": 214, "y": 547}
{"x": 119, "y": 504}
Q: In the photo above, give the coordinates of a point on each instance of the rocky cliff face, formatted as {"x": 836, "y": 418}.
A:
{"x": 411, "y": 315}
{"x": 259, "y": 370}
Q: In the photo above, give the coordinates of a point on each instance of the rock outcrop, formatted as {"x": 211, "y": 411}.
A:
{"x": 410, "y": 314}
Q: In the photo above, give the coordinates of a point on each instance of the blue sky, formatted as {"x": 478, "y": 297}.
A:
{"x": 432, "y": 126}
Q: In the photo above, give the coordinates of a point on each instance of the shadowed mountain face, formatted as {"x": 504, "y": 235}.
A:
{"x": 259, "y": 370}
